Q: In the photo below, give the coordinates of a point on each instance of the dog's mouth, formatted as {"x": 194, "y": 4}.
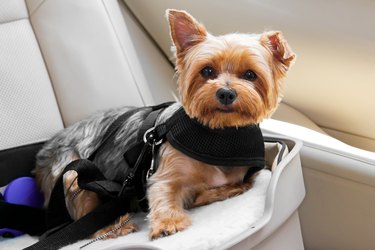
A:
{"x": 225, "y": 109}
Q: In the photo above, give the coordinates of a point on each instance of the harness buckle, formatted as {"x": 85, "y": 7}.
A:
{"x": 151, "y": 171}
{"x": 128, "y": 179}
{"x": 149, "y": 137}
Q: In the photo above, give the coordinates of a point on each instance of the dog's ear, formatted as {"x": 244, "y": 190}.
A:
{"x": 279, "y": 48}
{"x": 185, "y": 30}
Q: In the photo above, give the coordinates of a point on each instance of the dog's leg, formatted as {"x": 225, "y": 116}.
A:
{"x": 170, "y": 190}
{"x": 78, "y": 202}
{"x": 208, "y": 196}
{"x": 167, "y": 215}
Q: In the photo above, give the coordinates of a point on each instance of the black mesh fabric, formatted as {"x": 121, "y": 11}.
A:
{"x": 230, "y": 146}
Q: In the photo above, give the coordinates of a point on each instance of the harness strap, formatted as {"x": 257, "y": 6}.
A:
{"x": 61, "y": 229}
{"x": 112, "y": 129}
{"x": 83, "y": 227}
{"x": 90, "y": 178}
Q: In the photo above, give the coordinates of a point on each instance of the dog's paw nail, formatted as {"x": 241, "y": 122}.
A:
{"x": 165, "y": 234}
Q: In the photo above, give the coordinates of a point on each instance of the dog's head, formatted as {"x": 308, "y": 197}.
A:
{"x": 229, "y": 80}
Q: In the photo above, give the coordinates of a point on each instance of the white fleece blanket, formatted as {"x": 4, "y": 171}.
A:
{"x": 213, "y": 225}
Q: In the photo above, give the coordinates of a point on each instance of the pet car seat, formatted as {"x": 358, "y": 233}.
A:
{"x": 62, "y": 60}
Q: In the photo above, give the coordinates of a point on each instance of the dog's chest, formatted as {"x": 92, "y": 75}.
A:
{"x": 176, "y": 165}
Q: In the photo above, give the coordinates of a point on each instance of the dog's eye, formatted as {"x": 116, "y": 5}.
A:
{"x": 208, "y": 72}
{"x": 250, "y": 75}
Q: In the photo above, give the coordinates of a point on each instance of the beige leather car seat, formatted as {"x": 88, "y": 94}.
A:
{"x": 28, "y": 107}
{"x": 58, "y": 68}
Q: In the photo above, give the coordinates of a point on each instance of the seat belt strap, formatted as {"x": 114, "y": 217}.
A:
{"x": 23, "y": 218}
{"x": 84, "y": 227}
{"x": 58, "y": 215}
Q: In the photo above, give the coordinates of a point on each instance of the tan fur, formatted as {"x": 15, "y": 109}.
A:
{"x": 78, "y": 202}
{"x": 231, "y": 56}
{"x": 123, "y": 230}
{"x": 181, "y": 182}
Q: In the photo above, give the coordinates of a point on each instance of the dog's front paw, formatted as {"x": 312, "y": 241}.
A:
{"x": 167, "y": 225}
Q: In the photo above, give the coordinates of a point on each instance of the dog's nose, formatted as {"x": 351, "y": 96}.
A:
{"x": 226, "y": 96}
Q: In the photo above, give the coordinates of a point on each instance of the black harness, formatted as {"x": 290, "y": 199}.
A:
{"x": 242, "y": 146}
{"x": 229, "y": 146}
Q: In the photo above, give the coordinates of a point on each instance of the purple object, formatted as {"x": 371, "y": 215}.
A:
{"x": 21, "y": 191}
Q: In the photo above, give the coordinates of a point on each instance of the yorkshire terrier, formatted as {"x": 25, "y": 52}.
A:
{"x": 232, "y": 80}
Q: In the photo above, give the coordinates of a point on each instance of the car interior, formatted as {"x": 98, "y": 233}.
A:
{"x": 63, "y": 60}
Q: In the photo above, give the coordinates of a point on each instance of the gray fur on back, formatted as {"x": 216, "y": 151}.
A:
{"x": 84, "y": 137}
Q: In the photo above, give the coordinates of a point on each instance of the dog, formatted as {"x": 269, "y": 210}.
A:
{"x": 232, "y": 80}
